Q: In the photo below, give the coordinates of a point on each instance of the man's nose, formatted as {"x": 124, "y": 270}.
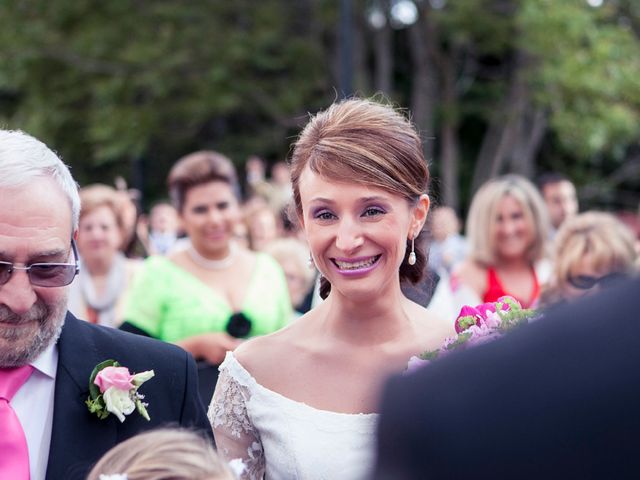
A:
{"x": 18, "y": 294}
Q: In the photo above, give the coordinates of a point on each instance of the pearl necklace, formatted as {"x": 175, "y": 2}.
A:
{"x": 208, "y": 264}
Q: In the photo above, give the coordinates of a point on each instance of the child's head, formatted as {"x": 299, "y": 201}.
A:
{"x": 162, "y": 454}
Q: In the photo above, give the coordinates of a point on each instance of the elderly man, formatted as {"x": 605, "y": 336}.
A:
{"x": 47, "y": 356}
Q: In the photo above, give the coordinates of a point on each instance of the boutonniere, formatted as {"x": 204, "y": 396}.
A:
{"x": 112, "y": 389}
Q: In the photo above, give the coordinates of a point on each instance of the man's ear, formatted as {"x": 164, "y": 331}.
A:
{"x": 75, "y": 236}
{"x": 419, "y": 215}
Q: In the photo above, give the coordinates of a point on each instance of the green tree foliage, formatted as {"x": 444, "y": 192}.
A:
{"x": 499, "y": 85}
{"x": 111, "y": 82}
{"x": 588, "y": 75}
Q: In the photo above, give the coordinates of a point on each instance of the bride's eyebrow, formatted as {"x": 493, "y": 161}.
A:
{"x": 322, "y": 200}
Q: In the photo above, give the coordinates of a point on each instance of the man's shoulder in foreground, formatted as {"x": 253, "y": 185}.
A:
{"x": 552, "y": 399}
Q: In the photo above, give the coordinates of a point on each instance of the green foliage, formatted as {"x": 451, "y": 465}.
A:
{"x": 111, "y": 82}
{"x": 122, "y": 84}
{"x": 586, "y": 73}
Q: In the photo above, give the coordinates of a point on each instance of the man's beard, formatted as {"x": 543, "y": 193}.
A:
{"x": 17, "y": 349}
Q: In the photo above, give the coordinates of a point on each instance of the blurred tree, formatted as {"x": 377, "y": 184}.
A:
{"x": 494, "y": 85}
{"x": 513, "y": 85}
{"x": 112, "y": 82}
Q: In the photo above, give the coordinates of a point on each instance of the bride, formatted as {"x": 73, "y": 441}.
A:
{"x": 302, "y": 402}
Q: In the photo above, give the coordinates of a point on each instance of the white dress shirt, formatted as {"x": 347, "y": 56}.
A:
{"x": 33, "y": 405}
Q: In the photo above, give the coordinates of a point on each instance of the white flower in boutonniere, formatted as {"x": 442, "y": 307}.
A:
{"x": 112, "y": 389}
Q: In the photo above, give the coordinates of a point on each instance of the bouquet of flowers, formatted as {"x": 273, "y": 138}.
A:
{"x": 480, "y": 324}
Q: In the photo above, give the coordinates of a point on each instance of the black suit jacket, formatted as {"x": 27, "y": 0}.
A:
{"x": 79, "y": 438}
{"x": 559, "y": 398}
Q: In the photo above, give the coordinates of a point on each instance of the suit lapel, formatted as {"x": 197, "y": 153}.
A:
{"x": 78, "y": 438}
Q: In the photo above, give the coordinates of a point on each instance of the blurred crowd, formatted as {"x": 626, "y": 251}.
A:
{"x": 221, "y": 258}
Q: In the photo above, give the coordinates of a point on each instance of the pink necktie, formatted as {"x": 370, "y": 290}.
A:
{"x": 14, "y": 454}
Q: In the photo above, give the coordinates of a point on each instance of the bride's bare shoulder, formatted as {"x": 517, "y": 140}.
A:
{"x": 266, "y": 353}
{"x": 434, "y": 328}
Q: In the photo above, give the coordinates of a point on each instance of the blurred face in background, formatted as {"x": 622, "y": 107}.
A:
{"x": 99, "y": 236}
{"x": 163, "y": 219}
{"x": 561, "y": 201}
{"x": 296, "y": 280}
{"x": 209, "y": 217}
{"x": 512, "y": 229}
{"x": 263, "y": 228}
{"x": 444, "y": 223}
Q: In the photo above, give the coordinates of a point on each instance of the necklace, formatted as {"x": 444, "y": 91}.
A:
{"x": 208, "y": 264}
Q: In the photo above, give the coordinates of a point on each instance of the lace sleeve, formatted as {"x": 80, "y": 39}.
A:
{"x": 236, "y": 437}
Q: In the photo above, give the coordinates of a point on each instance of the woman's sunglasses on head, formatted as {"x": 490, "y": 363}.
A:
{"x": 44, "y": 274}
{"x": 586, "y": 282}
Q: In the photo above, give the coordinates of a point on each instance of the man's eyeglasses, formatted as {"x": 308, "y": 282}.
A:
{"x": 44, "y": 274}
{"x": 585, "y": 282}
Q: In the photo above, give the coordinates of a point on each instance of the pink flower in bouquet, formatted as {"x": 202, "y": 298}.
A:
{"x": 485, "y": 313}
{"x": 118, "y": 377}
{"x": 477, "y": 325}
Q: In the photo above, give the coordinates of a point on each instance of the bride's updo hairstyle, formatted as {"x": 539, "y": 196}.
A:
{"x": 369, "y": 144}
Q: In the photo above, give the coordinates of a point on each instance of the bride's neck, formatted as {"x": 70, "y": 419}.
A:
{"x": 371, "y": 322}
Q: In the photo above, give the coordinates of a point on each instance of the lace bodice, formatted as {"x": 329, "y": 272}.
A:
{"x": 279, "y": 438}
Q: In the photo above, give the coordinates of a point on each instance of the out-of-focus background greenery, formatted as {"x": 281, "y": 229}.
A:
{"x": 126, "y": 87}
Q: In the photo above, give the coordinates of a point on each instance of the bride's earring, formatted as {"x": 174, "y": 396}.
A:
{"x": 310, "y": 262}
{"x": 412, "y": 256}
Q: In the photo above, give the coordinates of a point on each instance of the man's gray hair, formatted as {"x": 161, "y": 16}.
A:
{"x": 23, "y": 158}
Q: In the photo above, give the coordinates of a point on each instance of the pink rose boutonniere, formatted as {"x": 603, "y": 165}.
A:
{"x": 112, "y": 389}
{"x": 477, "y": 325}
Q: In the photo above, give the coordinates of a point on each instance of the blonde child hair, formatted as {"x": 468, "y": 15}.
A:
{"x": 163, "y": 454}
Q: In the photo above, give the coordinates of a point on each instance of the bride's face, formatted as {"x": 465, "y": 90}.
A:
{"x": 357, "y": 234}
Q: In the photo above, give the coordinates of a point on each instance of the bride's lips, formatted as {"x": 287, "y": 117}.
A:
{"x": 356, "y": 266}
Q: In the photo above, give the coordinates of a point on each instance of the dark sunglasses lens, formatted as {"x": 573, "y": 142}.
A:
{"x": 583, "y": 282}
{"x": 51, "y": 275}
{"x": 5, "y": 272}
{"x": 611, "y": 279}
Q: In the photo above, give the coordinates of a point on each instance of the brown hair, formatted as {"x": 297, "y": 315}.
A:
{"x": 371, "y": 144}
{"x": 98, "y": 195}
{"x": 163, "y": 454}
{"x": 199, "y": 168}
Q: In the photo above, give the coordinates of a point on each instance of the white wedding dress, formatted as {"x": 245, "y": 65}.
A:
{"x": 278, "y": 438}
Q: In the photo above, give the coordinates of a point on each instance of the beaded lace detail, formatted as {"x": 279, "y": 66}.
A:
{"x": 235, "y": 434}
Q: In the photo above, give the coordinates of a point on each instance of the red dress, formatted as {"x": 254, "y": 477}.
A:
{"x": 495, "y": 290}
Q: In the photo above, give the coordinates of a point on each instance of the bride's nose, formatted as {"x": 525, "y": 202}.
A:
{"x": 349, "y": 236}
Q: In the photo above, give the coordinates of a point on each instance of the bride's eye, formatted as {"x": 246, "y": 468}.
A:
{"x": 324, "y": 215}
{"x": 373, "y": 211}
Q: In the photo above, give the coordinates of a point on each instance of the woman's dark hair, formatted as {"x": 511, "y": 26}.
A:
{"x": 199, "y": 168}
{"x": 373, "y": 145}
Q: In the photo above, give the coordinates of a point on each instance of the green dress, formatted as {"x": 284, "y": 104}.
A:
{"x": 171, "y": 304}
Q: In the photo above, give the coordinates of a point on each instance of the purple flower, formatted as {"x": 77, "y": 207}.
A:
{"x": 415, "y": 363}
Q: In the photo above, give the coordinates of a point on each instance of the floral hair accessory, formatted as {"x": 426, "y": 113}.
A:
{"x": 477, "y": 325}
{"x": 114, "y": 476}
{"x": 112, "y": 389}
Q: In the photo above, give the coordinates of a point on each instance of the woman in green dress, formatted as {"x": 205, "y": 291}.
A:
{"x": 208, "y": 296}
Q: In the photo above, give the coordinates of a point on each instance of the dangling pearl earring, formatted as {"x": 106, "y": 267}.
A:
{"x": 310, "y": 263}
{"x": 412, "y": 256}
